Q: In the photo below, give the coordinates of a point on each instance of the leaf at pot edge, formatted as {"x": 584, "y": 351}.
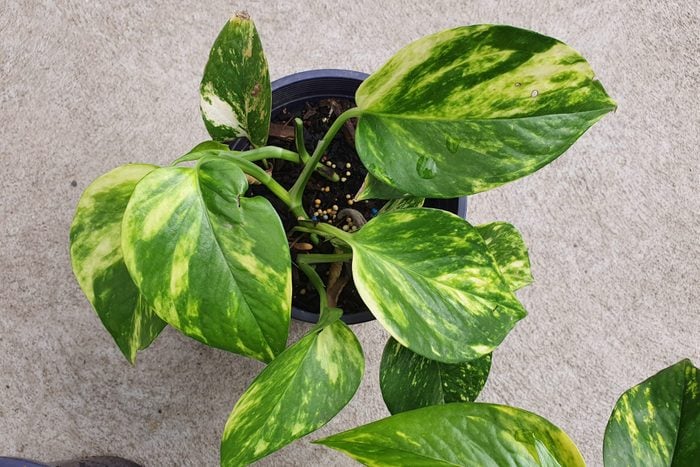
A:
{"x": 471, "y": 108}
{"x": 192, "y": 244}
{"x": 236, "y": 97}
{"x": 657, "y": 422}
{"x": 201, "y": 150}
{"x": 428, "y": 278}
{"x": 510, "y": 252}
{"x": 297, "y": 393}
{"x": 98, "y": 262}
{"x": 459, "y": 434}
{"x": 372, "y": 188}
{"x": 410, "y": 381}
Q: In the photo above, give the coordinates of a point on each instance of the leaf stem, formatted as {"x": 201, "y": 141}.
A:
{"x": 316, "y": 258}
{"x": 297, "y": 191}
{"x": 316, "y": 281}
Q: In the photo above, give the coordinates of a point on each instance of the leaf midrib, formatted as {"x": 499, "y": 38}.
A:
{"x": 602, "y": 110}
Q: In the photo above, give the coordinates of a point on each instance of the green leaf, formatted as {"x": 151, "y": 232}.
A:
{"x": 372, "y": 188}
{"x": 409, "y": 381}
{"x": 236, "y": 97}
{"x": 299, "y": 392}
{"x": 203, "y": 149}
{"x": 459, "y": 434}
{"x": 428, "y": 277}
{"x": 471, "y": 108}
{"x": 402, "y": 203}
{"x": 657, "y": 422}
{"x": 508, "y": 249}
{"x": 194, "y": 247}
{"x": 98, "y": 263}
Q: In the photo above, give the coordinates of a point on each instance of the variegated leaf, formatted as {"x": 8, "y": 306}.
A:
{"x": 402, "y": 203}
{"x": 194, "y": 247}
{"x": 508, "y": 249}
{"x": 657, "y": 422}
{"x": 468, "y": 109}
{"x": 299, "y": 392}
{"x": 459, "y": 434}
{"x": 372, "y": 188}
{"x": 203, "y": 149}
{"x": 236, "y": 96}
{"x": 428, "y": 277}
{"x": 98, "y": 263}
{"x": 409, "y": 381}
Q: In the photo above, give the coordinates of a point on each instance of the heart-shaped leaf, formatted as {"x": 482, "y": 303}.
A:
{"x": 98, "y": 263}
{"x": 508, "y": 249}
{"x": 428, "y": 277}
{"x": 236, "y": 97}
{"x": 409, "y": 381}
{"x": 194, "y": 247}
{"x": 299, "y": 392}
{"x": 470, "y": 108}
{"x": 459, "y": 434}
{"x": 657, "y": 422}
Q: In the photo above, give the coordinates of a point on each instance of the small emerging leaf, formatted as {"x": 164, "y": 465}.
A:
{"x": 192, "y": 243}
{"x": 459, "y": 434}
{"x": 508, "y": 249}
{"x": 236, "y": 97}
{"x": 409, "y": 381}
{"x": 402, "y": 203}
{"x": 428, "y": 277}
{"x": 98, "y": 262}
{"x": 299, "y": 392}
{"x": 471, "y": 108}
{"x": 657, "y": 422}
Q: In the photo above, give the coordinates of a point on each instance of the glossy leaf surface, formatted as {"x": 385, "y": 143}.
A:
{"x": 429, "y": 279}
{"x": 410, "y": 381}
{"x": 98, "y": 262}
{"x": 194, "y": 247}
{"x": 299, "y": 392}
{"x": 459, "y": 434}
{"x": 508, "y": 249}
{"x": 470, "y": 108}
{"x": 372, "y": 188}
{"x": 235, "y": 93}
{"x": 657, "y": 422}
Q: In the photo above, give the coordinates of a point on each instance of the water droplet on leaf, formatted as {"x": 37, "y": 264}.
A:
{"x": 534, "y": 93}
{"x": 517, "y": 84}
{"x": 426, "y": 167}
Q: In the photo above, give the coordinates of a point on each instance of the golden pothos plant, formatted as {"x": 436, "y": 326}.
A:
{"x": 452, "y": 114}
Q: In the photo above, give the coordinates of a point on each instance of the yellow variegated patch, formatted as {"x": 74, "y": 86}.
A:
{"x": 98, "y": 262}
{"x": 428, "y": 278}
{"x": 657, "y": 422}
{"x": 471, "y": 108}
{"x": 194, "y": 247}
{"x": 236, "y": 96}
{"x": 459, "y": 434}
{"x": 299, "y": 392}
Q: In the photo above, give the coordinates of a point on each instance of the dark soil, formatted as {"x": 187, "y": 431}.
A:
{"x": 320, "y": 195}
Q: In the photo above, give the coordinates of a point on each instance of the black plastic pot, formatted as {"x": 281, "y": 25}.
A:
{"x": 292, "y": 92}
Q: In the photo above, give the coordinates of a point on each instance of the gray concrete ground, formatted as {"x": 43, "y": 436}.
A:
{"x": 613, "y": 226}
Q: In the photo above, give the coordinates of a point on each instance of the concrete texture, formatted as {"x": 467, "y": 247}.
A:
{"x": 613, "y": 226}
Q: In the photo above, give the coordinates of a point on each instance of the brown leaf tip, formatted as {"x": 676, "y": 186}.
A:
{"x": 241, "y": 15}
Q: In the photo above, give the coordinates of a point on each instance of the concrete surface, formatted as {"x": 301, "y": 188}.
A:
{"x": 613, "y": 226}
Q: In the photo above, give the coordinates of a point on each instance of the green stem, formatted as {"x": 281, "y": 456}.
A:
{"x": 316, "y": 281}
{"x": 328, "y": 230}
{"x": 266, "y": 179}
{"x": 297, "y": 191}
{"x": 316, "y": 258}
{"x": 299, "y": 140}
{"x": 270, "y": 152}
